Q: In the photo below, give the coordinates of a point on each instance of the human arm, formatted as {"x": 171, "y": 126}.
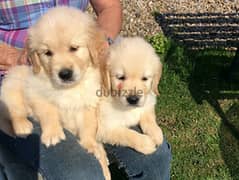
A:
{"x": 109, "y": 16}
{"x": 10, "y": 56}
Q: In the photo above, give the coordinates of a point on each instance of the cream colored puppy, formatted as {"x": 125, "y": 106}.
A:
{"x": 134, "y": 71}
{"x": 66, "y": 48}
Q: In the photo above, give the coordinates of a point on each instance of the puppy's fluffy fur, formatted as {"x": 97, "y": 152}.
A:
{"x": 134, "y": 71}
{"x": 63, "y": 39}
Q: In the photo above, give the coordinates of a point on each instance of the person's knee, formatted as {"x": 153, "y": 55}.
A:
{"x": 158, "y": 164}
{"x": 155, "y": 166}
{"x": 165, "y": 150}
{"x": 135, "y": 165}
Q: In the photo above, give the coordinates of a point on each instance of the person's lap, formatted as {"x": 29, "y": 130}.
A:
{"x": 144, "y": 167}
{"x": 136, "y": 165}
{"x": 67, "y": 160}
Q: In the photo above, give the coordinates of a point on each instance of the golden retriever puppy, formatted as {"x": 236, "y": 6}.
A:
{"x": 66, "y": 48}
{"x": 134, "y": 71}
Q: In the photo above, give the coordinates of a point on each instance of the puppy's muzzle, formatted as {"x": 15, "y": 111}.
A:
{"x": 66, "y": 75}
{"x": 133, "y": 99}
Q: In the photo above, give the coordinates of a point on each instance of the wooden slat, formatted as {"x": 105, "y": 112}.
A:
{"x": 202, "y": 29}
{"x": 196, "y": 43}
{"x": 206, "y": 35}
{"x": 213, "y": 20}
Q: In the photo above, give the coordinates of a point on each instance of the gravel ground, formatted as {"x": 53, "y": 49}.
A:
{"x": 139, "y": 19}
{"x": 200, "y": 6}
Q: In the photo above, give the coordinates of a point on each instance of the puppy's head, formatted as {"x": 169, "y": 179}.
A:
{"x": 63, "y": 44}
{"x": 134, "y": 71}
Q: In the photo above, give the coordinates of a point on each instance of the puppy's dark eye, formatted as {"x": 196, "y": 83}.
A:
{"x": 144, "y": 78}
{"x": 73, "y": 48}
{"x": 48, "y": 53}
{"x": 122, "y": 78}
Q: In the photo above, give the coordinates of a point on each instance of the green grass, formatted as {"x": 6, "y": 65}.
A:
{"x": 198, "y": 111}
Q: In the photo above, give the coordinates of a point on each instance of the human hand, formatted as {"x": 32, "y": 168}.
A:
{"x": 11, "y": 56}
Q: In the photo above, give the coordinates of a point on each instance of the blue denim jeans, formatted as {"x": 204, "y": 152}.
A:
{"x": 24, "y": 158}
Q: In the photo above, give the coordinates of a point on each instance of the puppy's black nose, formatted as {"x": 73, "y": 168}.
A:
{"x": 66, "y": 74}
{"x": 133, "y": 99}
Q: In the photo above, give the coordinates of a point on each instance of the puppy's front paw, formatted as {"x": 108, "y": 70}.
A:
{"x": 22, "y": 127}
{"x": 157, "y": 136}
{"x": 52, "y": 137}
{"x": 145, "y": 145}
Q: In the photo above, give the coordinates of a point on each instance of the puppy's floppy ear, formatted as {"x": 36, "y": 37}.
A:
{"x": 157, "y": 77}
{"x": 35, "y": 61}
{"x": 97, "y": 46}
{"x": 99, "y": 53}
{"x": 33, "y": 58}
{"x": 105, "y": 75}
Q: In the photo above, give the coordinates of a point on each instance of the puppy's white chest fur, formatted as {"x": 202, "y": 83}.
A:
{"x": 71, "y": 102}
{"x": 113, "y": 114}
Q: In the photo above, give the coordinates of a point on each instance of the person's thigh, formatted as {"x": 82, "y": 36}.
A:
{"x": 137, "y": 166}
{"x": 66, "y": 160}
